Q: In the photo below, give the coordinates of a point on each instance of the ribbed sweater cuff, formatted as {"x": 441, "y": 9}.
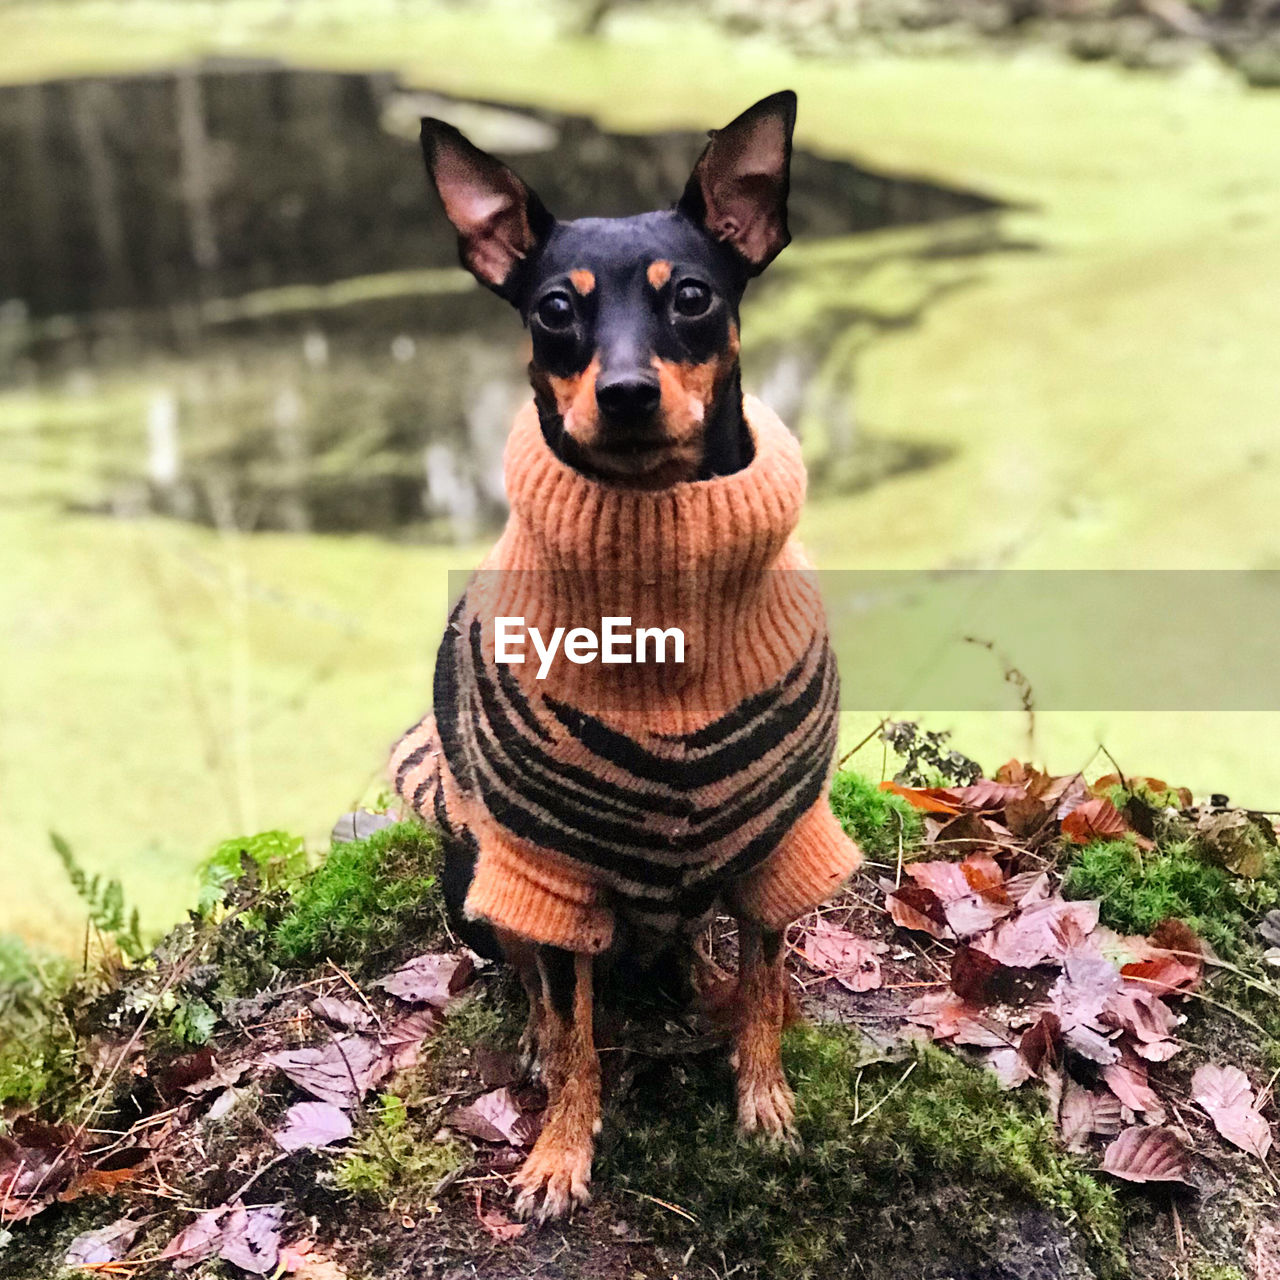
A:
{"x": 801, "y": 874}
{"x": 525, "y": 892}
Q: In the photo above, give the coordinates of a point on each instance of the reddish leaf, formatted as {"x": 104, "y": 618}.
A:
{"x": 36, "y": 1162}
{"x": 1096, "y": 819}
{"x": 945, "y": 879}
{"x": 988, "y": 796}
{"x": 1139, "y": 1012}
{"x": 913, "y": 907}
{"x": 1027, "y": 888}
{"x": 1127, "y": 1079}
{"x": 1225, "y": 1093}
{"x": 1041, "y": 1044}
{"x": 340, "y": 1072}
{"x": 196, "y": 1242}
{"x": 979, "y": 980}
{"x": 313, "y": 1124}
{"x": 1025, "y": 816}
{"x": 1156, "y": 1050}
{"x": 1083, "y": 1113}
{"x": 1147, "y": 1155}
{"x": 966, "y": 833}
{"x": 429, "y": 979}
{"x": 106, "y": 1178}
{"x": 930, "y": 799}
{"x": 494, "y": 1117}
{"x": 403, "y": 1039}
{"x": 495, "y": 1222}
{"x": 852, "y": 961}
{"x": 983, "y": 875}
{"x": 948, "y": 1018}
{"x": 1038, "y": 932}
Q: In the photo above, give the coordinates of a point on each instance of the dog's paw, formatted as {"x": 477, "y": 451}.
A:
{"x": 554, "y": 1180}
{"x": 766, "y": 1107}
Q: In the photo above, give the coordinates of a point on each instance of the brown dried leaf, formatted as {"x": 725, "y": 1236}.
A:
{"x": 494, "y": 1117}
{"x": 852, "y": 961}
{"x": 988, "y": 796}
{"x": 429, "y": 979}
{"x": 979, "y": 980}
{"x": 929, "y": 799}
{"x": 1083, "y": 1113}
{"x": 968, "y": 832}
{"x": 346, "y": 1015}
{"x": 1096, "y": 819}
{"x": 1041, "y": 1044}
{"x": 404, "y": 1038}
{"x": 495, "y": 1222}
{"x": 1142, "y": 1154}
{"x": 1225, "y": 1093}
{"x": 1040, "y": 932}
{"x": 1127, "y": 1079}
{"x": 340, "y": 1072}
{"x": 196, "y": 1242}
{"x": 913, "y": 907}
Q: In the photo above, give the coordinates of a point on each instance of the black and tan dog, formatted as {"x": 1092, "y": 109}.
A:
{"x": 573, "y": 840}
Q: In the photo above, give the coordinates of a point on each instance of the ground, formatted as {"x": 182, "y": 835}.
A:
{"x": 915, "y": 1159}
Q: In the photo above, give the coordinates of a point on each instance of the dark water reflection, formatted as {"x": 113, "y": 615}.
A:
{"x": 252, "y": 250}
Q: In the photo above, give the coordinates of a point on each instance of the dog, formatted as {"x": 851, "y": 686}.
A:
{"x": 632, "y": 841}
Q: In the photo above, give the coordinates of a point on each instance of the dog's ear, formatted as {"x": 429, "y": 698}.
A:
{"x": 738, "y": 189}
{"x": 499, "y": 220}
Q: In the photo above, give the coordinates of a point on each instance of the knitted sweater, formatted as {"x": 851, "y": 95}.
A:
{"x": 650, "y": 790}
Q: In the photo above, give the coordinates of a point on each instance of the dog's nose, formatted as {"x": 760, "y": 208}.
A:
{"x": 628, "y": 395}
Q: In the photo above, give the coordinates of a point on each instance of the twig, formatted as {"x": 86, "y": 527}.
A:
{"x": 889, "y": 1094}
{"x": 663, "y": 1204}
{"x": 853, "y": 751}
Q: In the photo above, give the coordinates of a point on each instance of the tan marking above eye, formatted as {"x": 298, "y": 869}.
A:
{"x": 582, "y": 280}
{"x": 659, "y": 272}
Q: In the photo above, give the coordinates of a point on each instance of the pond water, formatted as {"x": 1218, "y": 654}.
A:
{"x": 239, "y": 268}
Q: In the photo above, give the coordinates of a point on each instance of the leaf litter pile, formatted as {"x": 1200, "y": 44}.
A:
{"x": 973, "y": 946}
{"x": 963, "y": 938}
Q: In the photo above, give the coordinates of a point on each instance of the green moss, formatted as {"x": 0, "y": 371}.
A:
{"x": 395, "y": 1158}
{"x": 873, "y": 1146}
{"x": 365, "y": 895}
{"x": 877, "y": 820}
{"x": 1140, "y": 889}
{"x": 37, "y": 1044}
{"x": 1216, "y": 1271}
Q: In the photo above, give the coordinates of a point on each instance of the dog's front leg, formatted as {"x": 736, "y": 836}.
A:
{"x": 555, "y": 1176}
{"x": 766, "y": 1104}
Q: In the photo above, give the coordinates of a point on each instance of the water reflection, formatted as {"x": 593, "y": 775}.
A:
{"x": 245, "y": 258}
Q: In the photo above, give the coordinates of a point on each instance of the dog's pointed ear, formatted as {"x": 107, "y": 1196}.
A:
{"x": 500, "y": 221}
{"x": 738, "y": 189}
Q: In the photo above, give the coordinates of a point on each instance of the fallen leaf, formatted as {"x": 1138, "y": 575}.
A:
{"x": 196, "y": 1242}
{"x": 1010, "y": 1067}
{"x": 1147, "y": 1154}
{"x": 313, "y": 1124}
{"x": 988, "y": 796}
{"x": 1127, "y": 1079}
{"x": 1026, "y": 816}
{"x": 346, "y": 1015}
{"x": 36, "y": 1162}
{"x": 852, "y": 961}
{"x": 1140, "y": 1012}
{"x": 1096, "y": 819}
{"x": 251, "y": 1238}
{"x": 494, "y": 1117}
{"x": 106, "y": 1244}
{"x": 105, "y": 1178}
{"x": 1041, "y": 1043}
{"x": 1233, "y": 840}
{"x": 429, "y": 979}
{"x": 929, "y": 799}
{"x": 1039, "y": 932}
{"x": 1225, "y": 1093}
{"x": 913, "y": 907}
{"x": 1083, "y": 1113}
{"x": 403, "y": 1039}
{"x": 340, "y": 1072}
{"x": 1156, "y": 1050}
{"x": 968, "y": 832}
{"x": 979, "y": 980}
{"x": 495, "y": 1222}
{"x": 947, "y": 1017}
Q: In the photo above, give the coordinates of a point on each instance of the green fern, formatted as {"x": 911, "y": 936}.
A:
{"x": 105, "y": 900}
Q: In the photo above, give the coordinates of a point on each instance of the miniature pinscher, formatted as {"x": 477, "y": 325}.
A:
{"x": 635, "y": 337}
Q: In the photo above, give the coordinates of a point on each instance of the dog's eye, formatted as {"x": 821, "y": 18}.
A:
{"x": 556, "y": 311}
{"x": 692, "y": 298}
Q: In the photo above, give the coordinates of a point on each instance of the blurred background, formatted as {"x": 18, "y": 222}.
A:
{"x": 252, "y": 414}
